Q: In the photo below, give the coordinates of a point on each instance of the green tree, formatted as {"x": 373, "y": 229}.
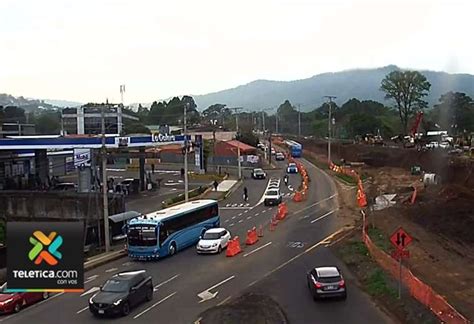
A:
{"x": 48, "y": 122}
{"x": 288, "y": 118}
{"x": 455, "y": 112}
{"x": 134, "y": 127}
{"x": 407, "y": 89}
{"x": 362, "y": 123}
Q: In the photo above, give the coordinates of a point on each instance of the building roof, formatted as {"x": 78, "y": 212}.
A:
{"x": 242, "y": 146}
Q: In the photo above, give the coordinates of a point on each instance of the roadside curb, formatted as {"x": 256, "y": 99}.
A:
{"x": 103, "y": 258}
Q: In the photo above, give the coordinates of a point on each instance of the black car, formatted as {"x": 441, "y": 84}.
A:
{"x": 121, "y": 292}
{"x": 326, "y": 282}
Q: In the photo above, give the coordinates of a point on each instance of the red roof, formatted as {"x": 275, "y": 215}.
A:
{"x": 243, "y": 146}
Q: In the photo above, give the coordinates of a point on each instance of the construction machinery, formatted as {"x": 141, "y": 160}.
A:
{"x": 410, "y": 139}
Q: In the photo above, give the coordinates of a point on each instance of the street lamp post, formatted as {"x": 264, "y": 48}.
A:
{"x": 186, "y": 185}
{"x": 329, "y": 126}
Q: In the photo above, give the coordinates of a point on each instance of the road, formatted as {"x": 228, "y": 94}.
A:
{"x": 276, "y": 266}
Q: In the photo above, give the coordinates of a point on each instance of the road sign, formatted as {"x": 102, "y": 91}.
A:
{"x": 400, "y": 254}
{"x": 400, "y": 239}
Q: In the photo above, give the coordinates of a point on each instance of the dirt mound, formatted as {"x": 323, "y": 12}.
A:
{"x": 249, "y": 309}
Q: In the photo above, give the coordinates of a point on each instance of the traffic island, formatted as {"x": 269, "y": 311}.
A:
{"x": 249, "y": 309}
{"x": 103, "y": 258}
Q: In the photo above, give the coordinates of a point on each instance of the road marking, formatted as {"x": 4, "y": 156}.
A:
{"x": 92, "y": 278}
{"x": 321, "y": 217}
{"x": 32, "y": 306}
{"x": 236, "y": 208}
{"x": 234, "y": 205}
{"x": 111, "y": 269}
{"x": 233, "y": 217}
{"x": 126, "y": 264}
{"x": 227, "y": 205}
{"x": 81, "y": 310}
{"x": 297, "y": 256}
{"x": 165, "y": 282}
{"x": 257, "y": 249}
{"x": 249, "y": 217}
{"x": 239, "y": 214}
{"x": 224, "y": 301}
{"x": 90, "y": 291}
{"x": 257, "y": 214}
{"x": 231, "y": 225}
{"x": 155, "y": 304}
{"x": 315, "y": 204}
{"x": 246, "y": 211}
{"x": 240, "y": 221}
{"x": 207, "y": 295}
{"x": 264, "y": 211}
{"x": 226, "y": 221}
{"x": 241, "y": 205}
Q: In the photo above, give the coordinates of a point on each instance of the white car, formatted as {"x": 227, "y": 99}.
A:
{"x": 432, "y": 145}
{"x": 272, "y": 197}
{"x": 444, "y": 145}
{"x": 214, "y": 240}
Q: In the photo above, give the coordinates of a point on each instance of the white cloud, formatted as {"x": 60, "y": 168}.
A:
{"x": 83, "y": 50}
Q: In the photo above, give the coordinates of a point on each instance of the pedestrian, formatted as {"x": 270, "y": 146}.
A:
{"x": 286, "y": 180}
{"x": 153, "y": 168}
{"x": 246, "y": 196}
{"x": 182, "y": 172}
{"x": 215, "y": 185}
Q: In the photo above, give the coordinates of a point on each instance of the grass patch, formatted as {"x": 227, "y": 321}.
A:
{"x": 347, "y": 179}
{"x": 377, "y": 285}
{"x": 180, "y": 198}
{"x": 380, "y": 239}
{"x": 352, "y": 252}
{"x": 206, "y": 177}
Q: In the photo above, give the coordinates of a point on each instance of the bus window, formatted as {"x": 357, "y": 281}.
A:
{"x": 163, "y": 234}
{"x": 142, "y": 235}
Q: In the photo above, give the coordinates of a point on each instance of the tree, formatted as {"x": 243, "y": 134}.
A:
{"x": 48, "y": 122}
{"x": 134, "y": 127}
{"x": 361, "y": 124}
{"x": 13, "y": 114}
{"x": 407, "y": 89}
{"x": 288, "y": 118}
{"x": 455, "y": 112}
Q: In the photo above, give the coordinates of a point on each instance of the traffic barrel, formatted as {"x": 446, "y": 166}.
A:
{"x": 252, "y": 236}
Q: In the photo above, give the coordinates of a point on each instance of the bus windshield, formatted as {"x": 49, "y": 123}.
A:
{"x": 142, "y": 235}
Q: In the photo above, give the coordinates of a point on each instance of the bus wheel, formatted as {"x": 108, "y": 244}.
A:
{"x": 172, "y": 249}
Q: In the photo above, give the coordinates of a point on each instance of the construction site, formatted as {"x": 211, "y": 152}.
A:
{"x": 427, "y": 192}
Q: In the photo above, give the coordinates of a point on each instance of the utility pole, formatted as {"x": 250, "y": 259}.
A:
{"x": 329, "y": 126}
{"x": 263, "y": 121}
{"x": 105, "y": 189}
{"x": 122, "y": 90}
{"x": 299, "y": 120}
{"x": 186, "y": 185}
{"x": 236, "y": 109}
{"x": 276, "y": 122}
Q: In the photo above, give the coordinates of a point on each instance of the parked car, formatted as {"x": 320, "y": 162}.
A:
{"x": 326, "y": 282}
{"x": 272, "y": 197}
{"x": 273, "y": 151}
{"x": 261, "y": 146}
{"x": 14, "y": 302}
{"x": 279, "y": 156}
{"x": 121, "y": 292}
{"x": 292, "y": 168}
{"x": 258, "y": 174}
{"x": 214, "y": 240}
{"x": 444, "y": 145}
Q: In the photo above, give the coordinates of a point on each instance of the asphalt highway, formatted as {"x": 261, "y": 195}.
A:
{"x": 276, "y": 265}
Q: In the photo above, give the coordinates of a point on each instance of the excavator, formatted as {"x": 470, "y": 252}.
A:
{"x": 411, "y": 139}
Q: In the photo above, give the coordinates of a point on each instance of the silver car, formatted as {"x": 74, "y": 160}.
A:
{"x": 326, "y": 282}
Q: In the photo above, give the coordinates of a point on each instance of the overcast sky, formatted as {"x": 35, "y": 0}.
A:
{"x": 83, "y": 50}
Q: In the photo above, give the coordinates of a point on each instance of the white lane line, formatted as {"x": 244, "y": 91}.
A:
{"x": 224, "y": 301}
{"x": 269, "y": 209}
{"x": 246, "y": 211}
{"x": 233, "y": 217}
{"x": 91, "y": 279}
{"x": 236, "y": 208}
{"x": 239, "y": 214}
{"x": 297, "y": 256}
{"x": 257, "y": 214}
{"x": 231, "y": 225}
{"x": 90, "y": 291}
{"x": 126, "y": 264}
{"x": 155, "y": 304}
{"x": 226, "y": 221}
{"x": 249, "y": 217}
{"x": 315, "y": 204}
{"x": 81, "y": 310}
{"x": 111, "y": 269}
{"x": 264, "y": 211}
{"x": 240, "y": 221}
{"x": 165, "y": 282}
{"x": 257, "y": 249}
{"x": 220, "y": 283}
{"x": 321, "y": 217}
